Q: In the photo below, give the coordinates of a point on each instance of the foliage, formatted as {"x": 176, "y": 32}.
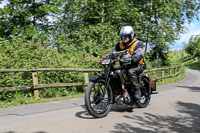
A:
{"x": 31, "y": 54}
{"x": 93, "y": 25}
{"x": 22, "y": 18}
{"x": 86, "y": 23}
{"x": 193, "y": 47}
{"x": 195, "y": 65}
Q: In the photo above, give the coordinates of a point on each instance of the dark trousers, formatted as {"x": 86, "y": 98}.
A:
{"x": 133, "y": 73}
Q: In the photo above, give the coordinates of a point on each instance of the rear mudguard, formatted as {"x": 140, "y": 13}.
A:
{"x": 141, "y": 76}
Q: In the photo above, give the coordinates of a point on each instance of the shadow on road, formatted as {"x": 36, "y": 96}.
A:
{"x": 84, "y": 114}
{"x": 114, "y": 108}
{"x": 192, "y": 88}
{"x": 187, "y": 121}
{"x": 122, "y": 108}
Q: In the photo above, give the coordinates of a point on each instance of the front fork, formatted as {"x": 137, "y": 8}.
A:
{"x": 126, "y": 96}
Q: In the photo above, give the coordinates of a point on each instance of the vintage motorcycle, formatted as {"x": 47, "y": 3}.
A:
{"x": 113, "y": 86}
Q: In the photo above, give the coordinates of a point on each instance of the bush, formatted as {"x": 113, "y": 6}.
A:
{"x": 17, "y": 54}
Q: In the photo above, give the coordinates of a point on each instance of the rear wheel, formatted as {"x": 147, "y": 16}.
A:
{"x": 98, "y": 98}
{"x": 146, "y": 93}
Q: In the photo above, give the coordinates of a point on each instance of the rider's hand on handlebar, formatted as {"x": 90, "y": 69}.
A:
{"x": 126, "y": 62}
{"x": 111, "y": 56}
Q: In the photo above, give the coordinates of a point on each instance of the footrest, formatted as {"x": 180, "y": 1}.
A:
{"x": 154, "y": 92}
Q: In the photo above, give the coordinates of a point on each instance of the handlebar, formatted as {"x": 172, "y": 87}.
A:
{"x": 119, "y": 53}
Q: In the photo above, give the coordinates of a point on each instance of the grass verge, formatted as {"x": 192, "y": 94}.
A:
{"x": 195, "y": 65}
{"x": 171, "y": 79}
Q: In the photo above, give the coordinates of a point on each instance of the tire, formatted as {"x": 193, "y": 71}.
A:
{"x": 94, "y": 97}
{"x": 146, "y": 93}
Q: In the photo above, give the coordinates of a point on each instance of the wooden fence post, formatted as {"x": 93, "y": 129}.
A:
{"x": 170, "y": 71}
{"x": 86, "y": 77}
{"x": 163, "y": 74}
{"x": 179, "y": 69}
{"x": 35, "y": 82}
{"x": 175, "y": 70}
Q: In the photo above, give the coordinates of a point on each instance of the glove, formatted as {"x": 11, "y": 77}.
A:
{"x": 136, "y": 58}
{"x": 111, "y": 55}
{"x": 126, "y": 62}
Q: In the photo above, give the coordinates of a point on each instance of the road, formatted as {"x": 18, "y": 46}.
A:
{"x": 176, "y": 109}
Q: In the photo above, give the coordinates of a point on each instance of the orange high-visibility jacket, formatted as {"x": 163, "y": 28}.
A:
{"x": 135, "y": 48}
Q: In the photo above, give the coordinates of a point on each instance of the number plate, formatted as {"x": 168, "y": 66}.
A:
{"x": 106, "y": 62}
{"x": 153, "y": 86}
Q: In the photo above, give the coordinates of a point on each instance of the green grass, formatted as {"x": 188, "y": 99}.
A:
{"x": 194, "y": 65}
{"x": 171, "y": 79}
{"x": 176, "y": 57}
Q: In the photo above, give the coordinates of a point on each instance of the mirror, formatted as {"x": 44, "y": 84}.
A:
{"x": 95, "y": 54}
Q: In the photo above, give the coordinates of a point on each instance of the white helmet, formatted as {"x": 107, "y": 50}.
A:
{"x": 127, "y": 30}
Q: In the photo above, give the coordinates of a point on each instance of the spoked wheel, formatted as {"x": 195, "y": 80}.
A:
{"x": 146, "y": 93}
{"x": 98, "y": 98}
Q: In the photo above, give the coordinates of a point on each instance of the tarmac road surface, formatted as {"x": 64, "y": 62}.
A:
{"x": 176, "y": 109}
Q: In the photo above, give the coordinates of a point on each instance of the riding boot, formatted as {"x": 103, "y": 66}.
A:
{"x": 137, "y": 92}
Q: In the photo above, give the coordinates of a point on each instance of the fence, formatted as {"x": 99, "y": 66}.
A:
{"x": 154, "y": 74}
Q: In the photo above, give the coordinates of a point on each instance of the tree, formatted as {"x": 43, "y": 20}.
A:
{"x": 87, "y": 26}
{"x": 25, "y": 18}
{"x": 193, "y": 47}
{"x": 92, "y": 25}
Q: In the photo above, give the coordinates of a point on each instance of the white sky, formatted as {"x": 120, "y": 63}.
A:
{"x": 4, "y": 2}
{"x": 193, "y": 29}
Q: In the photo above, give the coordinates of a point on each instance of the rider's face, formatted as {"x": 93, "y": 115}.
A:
{"x": 125, "y": 38}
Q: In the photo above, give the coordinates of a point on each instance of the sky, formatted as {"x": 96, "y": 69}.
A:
{"x": 4, "y": 2}
{"x": 193, "y": 29}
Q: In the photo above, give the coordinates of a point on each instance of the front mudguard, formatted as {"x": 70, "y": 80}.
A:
{"x": 97, "y": 77}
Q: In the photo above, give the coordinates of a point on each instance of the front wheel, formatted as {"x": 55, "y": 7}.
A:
{"x": 98, "y": 98}
{"x": 146, "y": 93}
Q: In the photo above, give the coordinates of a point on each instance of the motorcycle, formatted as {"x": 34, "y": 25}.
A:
{"x": 113, "y": 86}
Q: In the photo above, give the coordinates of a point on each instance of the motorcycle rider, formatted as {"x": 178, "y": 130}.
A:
{"x": 136, "y": 63}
